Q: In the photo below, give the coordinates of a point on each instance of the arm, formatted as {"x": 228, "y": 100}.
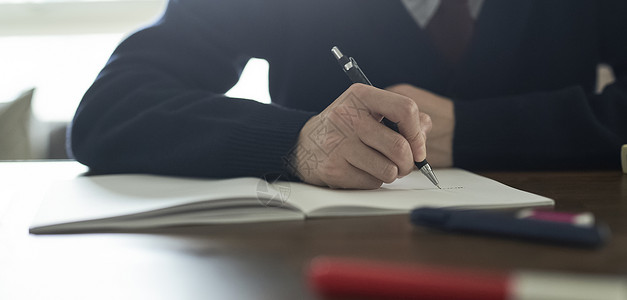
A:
{"x": 563, "y": 129}
{"x": 568, "y": 128}
{"x": 544, "y": 130}
{"x": 158, "y": 105}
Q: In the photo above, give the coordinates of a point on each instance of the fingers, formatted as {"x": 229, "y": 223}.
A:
{"x": 425, "y": 122}
{"x": 420, "y": 153}
{"x": 372, "y": 162}
{"x": 343, "y": 175}
{"x": 321, "y": 154}
{"x": 389, "y": 144}
{"x": 397, "y": 108}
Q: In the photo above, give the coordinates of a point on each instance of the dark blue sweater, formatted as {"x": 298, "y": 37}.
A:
{"x": 524, "y": 92}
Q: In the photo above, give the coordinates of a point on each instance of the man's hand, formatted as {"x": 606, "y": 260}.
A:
{"x": 346, "y": 146}
{"x": 442, "y": 114}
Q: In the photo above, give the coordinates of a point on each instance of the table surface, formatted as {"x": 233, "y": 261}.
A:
{"x": 266, "y": 260}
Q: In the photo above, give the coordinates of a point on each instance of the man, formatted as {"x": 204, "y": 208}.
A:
{"x": 502, "y": 84}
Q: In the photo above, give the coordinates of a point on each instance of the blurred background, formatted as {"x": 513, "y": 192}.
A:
{"x": 57, "y": 48}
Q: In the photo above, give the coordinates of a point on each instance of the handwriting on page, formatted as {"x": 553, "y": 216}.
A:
{"x": 407, "y": 188}
{"x": 443, "y": 188}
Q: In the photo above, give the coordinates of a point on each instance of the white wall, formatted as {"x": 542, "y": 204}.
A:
{"x": 75, "y": 16}
{"x": 59, "y": 47}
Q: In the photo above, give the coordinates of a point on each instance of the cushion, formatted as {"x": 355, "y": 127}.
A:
{"x": 15, "y": 119}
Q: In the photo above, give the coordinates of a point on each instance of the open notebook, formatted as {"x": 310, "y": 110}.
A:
{"x": 142, "y": 201}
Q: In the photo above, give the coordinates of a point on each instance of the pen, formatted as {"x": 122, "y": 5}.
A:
{"x": 498, "y": 224}
{"x": 356, "y": 75}
{"x": 364, "y": 279}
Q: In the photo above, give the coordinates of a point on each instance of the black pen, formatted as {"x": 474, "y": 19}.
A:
{"x": 356, "y": 75}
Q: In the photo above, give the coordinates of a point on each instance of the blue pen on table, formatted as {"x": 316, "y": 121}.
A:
{"x": 499, "y": 224}
{"x": 356, "y": 75}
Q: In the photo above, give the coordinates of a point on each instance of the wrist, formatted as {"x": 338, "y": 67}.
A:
{"x": 300, "y": 162}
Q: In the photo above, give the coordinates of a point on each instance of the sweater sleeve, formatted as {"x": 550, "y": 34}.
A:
{"x": 158, "y": 106}
{"x": 562, "y": 129}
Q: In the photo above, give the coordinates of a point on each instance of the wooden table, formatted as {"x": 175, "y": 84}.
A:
{"x": 266, "y": 260}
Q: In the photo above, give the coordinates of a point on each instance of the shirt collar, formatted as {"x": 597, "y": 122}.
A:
{"x": 423, "y": 10}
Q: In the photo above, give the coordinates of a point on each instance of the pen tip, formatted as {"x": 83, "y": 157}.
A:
{"x": 438, "y": 186}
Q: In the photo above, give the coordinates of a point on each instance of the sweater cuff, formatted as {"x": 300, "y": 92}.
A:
{"x": 263, "y": 147}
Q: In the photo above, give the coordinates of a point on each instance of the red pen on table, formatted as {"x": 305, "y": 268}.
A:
{"x": 360, "y": 279}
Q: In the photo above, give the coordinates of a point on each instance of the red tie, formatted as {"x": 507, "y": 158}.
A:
{"x": 450, "y": 29}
